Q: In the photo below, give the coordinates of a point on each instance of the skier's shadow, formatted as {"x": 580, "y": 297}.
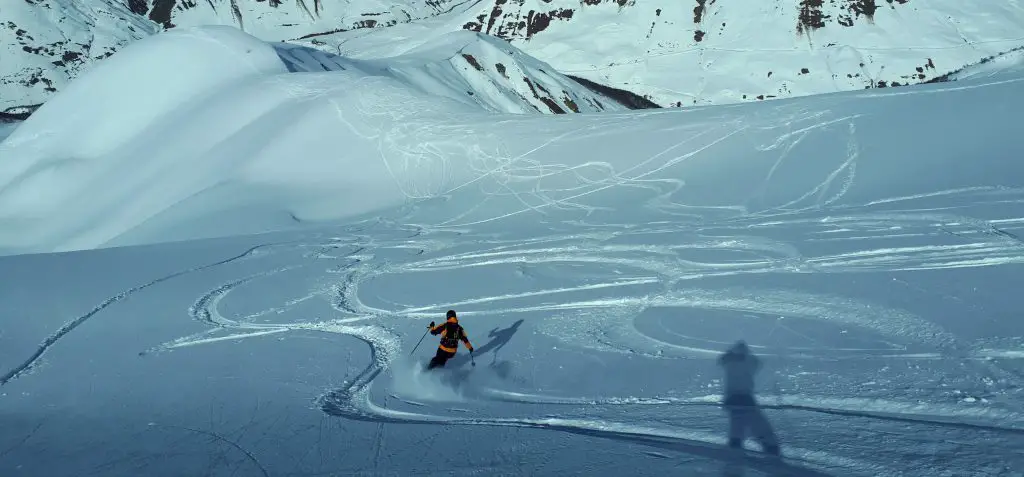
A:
{"x": 499, "y": 338}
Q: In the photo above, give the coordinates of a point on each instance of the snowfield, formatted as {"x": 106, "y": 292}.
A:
{"x": 233, "y": 277}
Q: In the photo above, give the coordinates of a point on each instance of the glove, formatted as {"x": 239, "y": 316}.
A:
{"x": 470, "y": 350}
{"x": 431, "y": 325}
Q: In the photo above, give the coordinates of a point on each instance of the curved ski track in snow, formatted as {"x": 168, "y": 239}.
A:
{"x": 50, "y": 341}
{"x": 630, "y": 271}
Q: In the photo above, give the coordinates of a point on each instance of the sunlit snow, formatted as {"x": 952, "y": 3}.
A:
{"x": 293, "y": 233}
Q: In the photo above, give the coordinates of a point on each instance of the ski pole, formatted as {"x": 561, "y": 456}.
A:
{"x": 471, "y": 360}
{"x": 418, "y": 342}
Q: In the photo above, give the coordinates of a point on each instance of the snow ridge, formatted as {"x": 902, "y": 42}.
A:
{"x": 475, "y": 69}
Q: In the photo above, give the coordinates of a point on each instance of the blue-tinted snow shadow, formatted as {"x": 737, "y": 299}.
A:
{"x": 735, "y": 461}
{"x": 498, "y": 339}
{"x": 6, "y": 129}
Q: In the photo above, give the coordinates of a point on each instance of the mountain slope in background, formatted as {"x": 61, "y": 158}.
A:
{"x": 477, "y": 69}
{"x": 673, "y": 53}
{"x": 713, "y": 52}
{"x": 46, "y": 43}
{"x": 1009, "y": 62}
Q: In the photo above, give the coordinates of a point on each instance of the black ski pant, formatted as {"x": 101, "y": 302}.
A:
{"x": 440, "y": 358}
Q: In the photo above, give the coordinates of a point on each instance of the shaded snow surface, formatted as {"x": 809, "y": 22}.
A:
{"x": 866, "y": 245}
{"x": 7, "y": 128}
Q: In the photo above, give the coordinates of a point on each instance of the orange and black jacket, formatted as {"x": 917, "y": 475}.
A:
{"x": 451, "y": 333}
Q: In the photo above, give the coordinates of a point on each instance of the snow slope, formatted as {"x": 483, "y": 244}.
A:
{"x": 228, "y": 116}
{"x": 1006, "y": 63}
{"x": 866, "y": 244}
{"x": 873, "y": 269}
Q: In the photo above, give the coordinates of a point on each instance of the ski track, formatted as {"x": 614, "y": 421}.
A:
{"x": 887, "y": 410}
{"x": 52, "y": 340}
{"x": 650, "y": 275}
{"x": 642, "y": 271}
{"x": 354, "y": 403}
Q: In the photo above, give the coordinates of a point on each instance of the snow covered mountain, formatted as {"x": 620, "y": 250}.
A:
{"x": 714, "y": 52}
{"x": 46, "y": 43}
{"x": 673, "y": 53}
{"x": 486, "y": 70}
{"x": 250, "y": 259}
{"x": 477, "y": 69}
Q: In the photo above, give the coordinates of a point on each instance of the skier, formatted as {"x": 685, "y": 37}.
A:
{"x": 451, "y": 333}
{"x": 740, "y": 366}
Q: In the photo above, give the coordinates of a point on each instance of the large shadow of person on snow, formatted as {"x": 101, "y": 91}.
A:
{"x": 499, "y": 338}
{"x": 745, "y": 415}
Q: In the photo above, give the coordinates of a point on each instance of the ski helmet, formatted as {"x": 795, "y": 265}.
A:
{"x": 450, "y": 314}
